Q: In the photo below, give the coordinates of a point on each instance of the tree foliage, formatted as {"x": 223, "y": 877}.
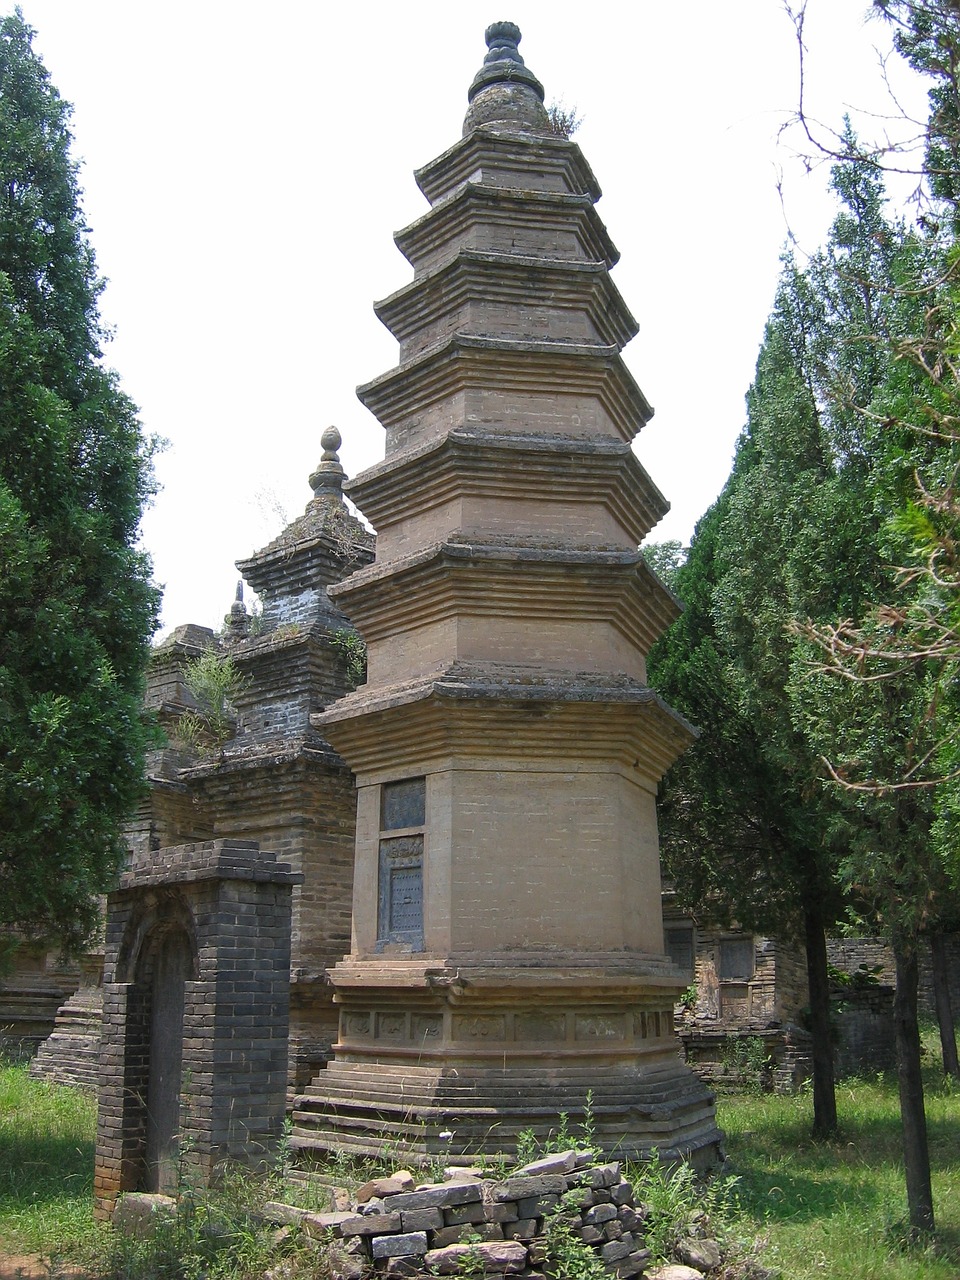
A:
{"x": 76, "y": 604}
{"x": 830, "y": 617}
{"x": 802, "y": 535}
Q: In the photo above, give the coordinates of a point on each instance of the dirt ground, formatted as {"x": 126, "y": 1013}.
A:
{"x": 31, "y": 1266}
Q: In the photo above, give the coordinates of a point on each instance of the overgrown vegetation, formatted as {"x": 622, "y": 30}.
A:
{"x": 215, "y": 682}
{"x": 810, "y": 1209}
{"x": 46, "y": 1165}
{"x": 353, "y": 651}
{"x": 837, "y": 1208}
{"x": 564, "y": 120}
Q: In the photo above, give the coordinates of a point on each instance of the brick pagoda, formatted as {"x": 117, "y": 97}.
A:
{"x": 507, "y": 955}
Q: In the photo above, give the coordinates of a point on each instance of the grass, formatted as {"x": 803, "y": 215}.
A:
{"x": 46, "y": 1165}
{"x": 827, "y": 1210}
{"x": 838, "y": 1208}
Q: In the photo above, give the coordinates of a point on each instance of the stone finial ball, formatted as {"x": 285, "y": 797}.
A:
{"x": 502, "y": 40}
{"x": 502, "y": 33}
{"x": 330, "y": 441}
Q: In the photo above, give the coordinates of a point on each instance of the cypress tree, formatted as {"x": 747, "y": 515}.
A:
{"x": 77, "y": 607}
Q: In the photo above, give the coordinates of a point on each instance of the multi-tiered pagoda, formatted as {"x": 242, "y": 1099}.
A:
{"x": 507, "y": 954}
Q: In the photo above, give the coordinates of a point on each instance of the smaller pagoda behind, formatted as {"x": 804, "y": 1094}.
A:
{"x": 507, "y": 960}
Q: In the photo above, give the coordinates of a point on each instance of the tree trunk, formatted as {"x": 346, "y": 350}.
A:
{"x": 941, "y": 997}
{"x": 824, "y": 1093}
{"x": 916, "y": 1155}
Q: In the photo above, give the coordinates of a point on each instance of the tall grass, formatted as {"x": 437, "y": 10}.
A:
{"x": 46, "y": 1165}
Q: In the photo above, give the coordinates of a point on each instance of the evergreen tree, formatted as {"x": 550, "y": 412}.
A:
{"x": 743, "y": 822}
{"x": 803, "y": 536}
{"x": 76, "y": 604}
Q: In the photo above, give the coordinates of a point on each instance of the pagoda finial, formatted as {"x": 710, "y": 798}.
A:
{"x": 327, "y": 480}
{"x": 237, "y": 620}
{"x": 505, "y": 94}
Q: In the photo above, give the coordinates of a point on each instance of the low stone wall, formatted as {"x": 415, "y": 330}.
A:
{"x": 474, "y": 1225}
{"x": 866, "y": 1040}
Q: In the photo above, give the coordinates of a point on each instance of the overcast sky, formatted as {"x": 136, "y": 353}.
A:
{"x": 245, "y": 167}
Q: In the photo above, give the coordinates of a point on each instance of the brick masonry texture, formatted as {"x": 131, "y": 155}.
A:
{"x": 232, "y": 903}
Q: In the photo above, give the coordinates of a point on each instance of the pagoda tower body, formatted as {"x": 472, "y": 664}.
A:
{"x": 507, "y": 949}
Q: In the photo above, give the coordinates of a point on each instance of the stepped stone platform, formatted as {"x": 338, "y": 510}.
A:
{"x": 71, "y": 1053}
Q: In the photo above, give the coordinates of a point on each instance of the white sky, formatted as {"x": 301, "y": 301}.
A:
{"x": 244, "y": 168}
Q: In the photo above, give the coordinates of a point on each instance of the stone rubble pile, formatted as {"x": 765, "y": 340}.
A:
{"x": 470, "y": 1225}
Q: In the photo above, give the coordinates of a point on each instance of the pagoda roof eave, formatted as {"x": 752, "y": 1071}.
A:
{"x": 508, "y": 364}
{"x": 477, "y": 203}
{"x": 474, "y": 713}
{"x": 510, "y": 580}
{"x": 491, "y": 276}
{"x": 455, "y": 165}
{"x": 470, "y": 461}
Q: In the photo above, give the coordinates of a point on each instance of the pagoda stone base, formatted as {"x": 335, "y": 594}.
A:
{"x": 487, "y": 1053}
{"x": 71, "y": 1053}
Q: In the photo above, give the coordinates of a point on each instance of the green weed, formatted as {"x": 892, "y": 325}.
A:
{"x": 676, "y": 1198}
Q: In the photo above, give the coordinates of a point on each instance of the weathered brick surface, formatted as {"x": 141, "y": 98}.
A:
{"x": 232, "y": 904}
{"x": 421, "y": 1246}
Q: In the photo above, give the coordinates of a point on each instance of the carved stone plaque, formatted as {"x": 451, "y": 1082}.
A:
{"x": 391, "y": 1026}
{"x": 482, "y": 1027}
{"x": 426, "y": 1027}
{"x": 541, "y": 1026}
{"x": 596, "y": 1026}
{"x": 355, "y": 1024}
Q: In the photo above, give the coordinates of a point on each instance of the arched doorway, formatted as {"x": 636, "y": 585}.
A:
{"x": 169, "y": 964}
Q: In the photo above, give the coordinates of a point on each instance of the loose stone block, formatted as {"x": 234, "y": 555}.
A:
{"x": 524, "y": 1229}
{"x": 412, "y": 1243}
{"x": 605, "y": 1175}
{"x": 629, "y": 1218}
{"x": 505, "y": 1212}
{"x": 138, "y": 1214}
{"x": 453, "y": 1235}
{"x": 317, "y": 1225}
{"x": 485, "y": 1230}
{"x": 561, "y": 1162}
{"x": 524, "y": 1188}
{"x": 379, "y": 1187}
{"x": 370, "y": 1224}
{"x": 507, "y": 1257}
{"x": 599, "y": 1214}
{"x": 284, "y": 1215}
{"x": 466, "y": 1213}
{"x": 453, "y": 1193}
{"x": 622, "y": 1193}
{"x": 615, "y": 1250}
{"x": 704, "y": 1255}
{"x": 537, "y": 1206}
{"x": 402, "y": 1267}
{"x": 421, "y": 1219}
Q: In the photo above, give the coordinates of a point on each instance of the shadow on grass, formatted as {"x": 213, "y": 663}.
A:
{"x": 783, "y": 1195}
{"x": 36, "y": 1168}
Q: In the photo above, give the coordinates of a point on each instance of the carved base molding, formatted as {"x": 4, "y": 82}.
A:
{"x": 421, "y": 1053}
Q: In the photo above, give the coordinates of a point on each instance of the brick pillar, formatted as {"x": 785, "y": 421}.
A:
{"x": 233, "y": 902}
{"x": 121, "y": 1118}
